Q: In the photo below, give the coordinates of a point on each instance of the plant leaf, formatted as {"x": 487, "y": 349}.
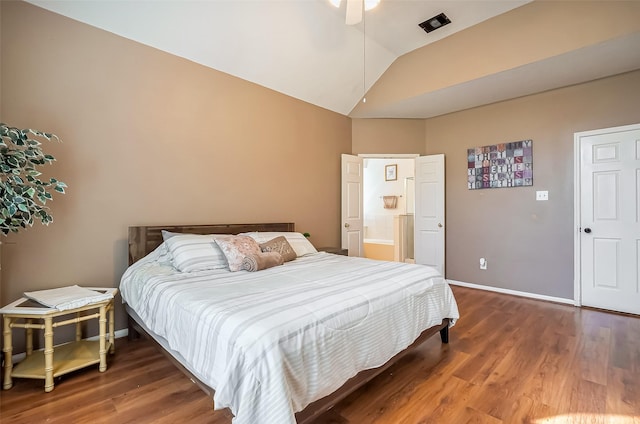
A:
{"x": 22, "y": 194}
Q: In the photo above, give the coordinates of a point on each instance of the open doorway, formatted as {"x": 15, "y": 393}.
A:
{"x": 429, "y": 216}
{"x": 389, "y": 207}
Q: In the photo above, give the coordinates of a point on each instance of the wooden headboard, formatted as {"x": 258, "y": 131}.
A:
{"x": 144, "y": 239}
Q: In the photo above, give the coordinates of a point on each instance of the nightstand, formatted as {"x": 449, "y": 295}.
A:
{"x": 54, "y": 361}
{"x": 334, "y": 250}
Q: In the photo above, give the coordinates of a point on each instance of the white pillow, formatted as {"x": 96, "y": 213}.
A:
{"x": 298, "y": 242}
{"x": 166, "y": 235}
{"x": 196, "y": 252}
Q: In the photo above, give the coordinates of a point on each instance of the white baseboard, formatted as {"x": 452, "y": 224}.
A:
{"x": 513, "y": 292}
{"x": 117, "y": 334}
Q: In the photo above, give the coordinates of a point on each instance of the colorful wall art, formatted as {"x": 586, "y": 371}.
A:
{"x": 500, "y": 165}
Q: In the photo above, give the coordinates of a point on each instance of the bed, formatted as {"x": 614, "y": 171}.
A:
{"x": 286, "y": 343}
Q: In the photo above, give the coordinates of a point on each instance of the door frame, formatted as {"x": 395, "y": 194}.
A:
{"x": 365, "y": 156}
{"x": 388, "y": 156}
{"x": 577, "y": 197}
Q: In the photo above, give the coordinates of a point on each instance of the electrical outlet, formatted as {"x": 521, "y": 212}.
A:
{"x": 542, "y": 195}
{"x": 483, "y": 263}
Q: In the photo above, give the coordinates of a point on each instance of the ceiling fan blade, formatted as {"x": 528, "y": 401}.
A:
{"x": 354, "y": 12}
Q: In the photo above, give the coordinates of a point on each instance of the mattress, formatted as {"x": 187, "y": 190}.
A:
{"x": 273, "y": 341}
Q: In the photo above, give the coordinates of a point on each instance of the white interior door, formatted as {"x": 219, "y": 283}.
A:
{"x": 429, "y": 214}
{"x": 609, "y": 218}
{"x": 352, "y": 216}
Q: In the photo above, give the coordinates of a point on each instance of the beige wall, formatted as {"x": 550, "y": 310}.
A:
{"x": 150, "y": 138}
{"x": 0, "y": 64}
{"x": 377, "y": 136}
{"x": 528, "y": 244}
{"x": 1, "y": 117}
{"x": 536, "y": 31}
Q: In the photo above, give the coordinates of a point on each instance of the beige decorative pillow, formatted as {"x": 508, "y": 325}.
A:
{"x": 280, "y": 245}
{"x": 300, "y": 244}
{"x": 236, "y": 248}
{"x": 261, "y": 261}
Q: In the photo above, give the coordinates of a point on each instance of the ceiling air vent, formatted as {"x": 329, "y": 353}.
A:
{"x": 434, "y": 23}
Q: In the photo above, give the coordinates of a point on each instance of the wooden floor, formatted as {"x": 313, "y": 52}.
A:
{"x": 509, "y": 360}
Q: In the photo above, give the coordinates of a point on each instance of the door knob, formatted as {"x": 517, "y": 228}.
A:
{"x": 346, "y": 225}
{"x": 587, "y": 230}
{"x": 439, "y": 225}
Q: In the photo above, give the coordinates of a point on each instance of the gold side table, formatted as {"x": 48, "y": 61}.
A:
{"x": 55, "y": 361}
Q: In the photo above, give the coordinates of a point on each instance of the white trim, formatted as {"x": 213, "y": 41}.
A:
{"x": 388, "y": 155}
{"x": 577, "y": 189}
{"x": 577, "y": 254}
{"x": 513, "y": 292}
{"x": 116, "y": 334}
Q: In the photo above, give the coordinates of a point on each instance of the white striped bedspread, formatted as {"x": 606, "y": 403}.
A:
{"x": 273, "y": 341}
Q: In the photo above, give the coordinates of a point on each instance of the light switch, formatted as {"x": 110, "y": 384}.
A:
{"x": 542, "y": 195}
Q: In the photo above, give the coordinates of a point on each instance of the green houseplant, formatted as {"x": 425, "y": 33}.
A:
{"x": 23, "y": 195}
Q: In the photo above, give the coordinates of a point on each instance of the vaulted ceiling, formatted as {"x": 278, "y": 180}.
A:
{"x": 493, "y": 50}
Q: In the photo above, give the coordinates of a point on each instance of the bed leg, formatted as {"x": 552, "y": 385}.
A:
{"x": 133, "y": 334}
{"x": 444, "y": 334}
